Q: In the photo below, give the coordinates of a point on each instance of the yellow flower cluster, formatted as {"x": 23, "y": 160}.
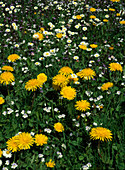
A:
{"x": 24, "y": 141}
{"x": 33, "y": 84}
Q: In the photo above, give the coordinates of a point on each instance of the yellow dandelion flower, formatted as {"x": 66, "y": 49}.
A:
{"x": 111, "y": 9}
{"x": 25, "y": 140}
{"x": 65, "y": 71}
{"x": 92, "y": 9}
{"x": 78, "y": 17}
{"x": 83, "y": 47}
{"x": 60, "y": 80}
{"x": 115, "y": 67}
{"x": 122, "y": 22}
{"x": 42, "y": 78}
{"x": 115, "y": 0}
{"x": 59, "y": 35}
{"x": 12, "y": 144}
{"x": 101, "y": 134}
{"x": 86, "y": 74}
{"x": 105, "y": 20}
{"x": 38, "y": 36}
{"x": 42, "y": 29}
{"x": 13, "y": 57}
{"x": 6, "y": 78}
{"x": 50, "y": 164}
{"x": 82, "y": 105}
{"x": 93, "y": 45}
{"x": 7, "y": 68}
{"x": 1, "y": 153}
{"x": 58, "y": 127}
{"x": 106, "y": 86}
{"x": 92, "y": 17}
{"x": 33, "y": 84}
{"x": 2, "y": 100}
{"x": 68, "y": 92}
{"x": 111, "y": 48}
{"x": 40, "y": 139}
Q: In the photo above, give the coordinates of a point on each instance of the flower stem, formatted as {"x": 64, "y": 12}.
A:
{"x": 99, "y": 149}
{"x": 33, "y": 100}
{"x": 8, "y": 91}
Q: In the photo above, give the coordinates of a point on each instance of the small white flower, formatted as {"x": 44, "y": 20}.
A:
{"x": 76, "y": 58}
{"x": 40, "y": 155}
{"x": 4, "y": 113}
{"x": 25, "y": 115}
{"x": 118, "y": 92}
{"x": 88, "y": 113}
{"x": 84, "y": 28}
{"x": 43, "y": 160}
{"x": 94, "y": 123}
{"x": 83, "y": 115}
{"x": 7, "y": 153}
{"x": 14, "y": 166}
{"x": 37, "y": 63}
{"x": 0, "y": 162}
{"x": 96, "y": 55}
{"x": 63, "y": 146}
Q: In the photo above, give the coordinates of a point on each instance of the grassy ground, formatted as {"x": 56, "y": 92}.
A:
{"x": 47, "y": 38}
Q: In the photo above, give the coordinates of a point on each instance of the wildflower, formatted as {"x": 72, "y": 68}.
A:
{"x": 111, "y": 9}
{"x": 115, "y": 66}
{"x": 2, "y": 100}
{"x": 68, "y": 92}
{"x": 60, "y": 80}
{"x": 6, "y": 78}
{"x": 58, "y": 127}
{"x": 12, "y": 144}
{"x": 105, "y": 86}
{"x": 1, "y": 152}
{"x": 40, "y": 139}
{"x": 0, "y": 162}
{"x": 14, "y": 165}
{"x": 46, "y": 54}
{"x": 122, "y": 22}
{"x": 7, "y": 153}
{"x": 83, "y": 47}
{"x": 86, "y": 73}
{"x": 38, "y": 36}
{"x": 65, "y": 71}
{"x": 59, "y": 35}
{"x": 93, "y": 45}
{"x": 13, "y": 57}
{"x": 101, "y": 134}
{"x": 50, "y": 164}
{"x": 82, "y": 105}
{"x": 42, "y": 78}
{"x": 25, "y": 140}
{"x": 105, "y": 20}
{"x": 92, "y": 9}
{"x": 33, "y": 84}
{"x": 78, "y": 17}
{"x": 7, "y": 68}
{"x": 92, "y": 16}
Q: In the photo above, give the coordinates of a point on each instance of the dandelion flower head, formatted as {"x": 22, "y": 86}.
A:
{"x": 68, "y": 92}
{"x": 101, "y": 134}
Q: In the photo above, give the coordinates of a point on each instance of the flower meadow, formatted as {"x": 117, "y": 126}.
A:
{"x": 62, "y": 84}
